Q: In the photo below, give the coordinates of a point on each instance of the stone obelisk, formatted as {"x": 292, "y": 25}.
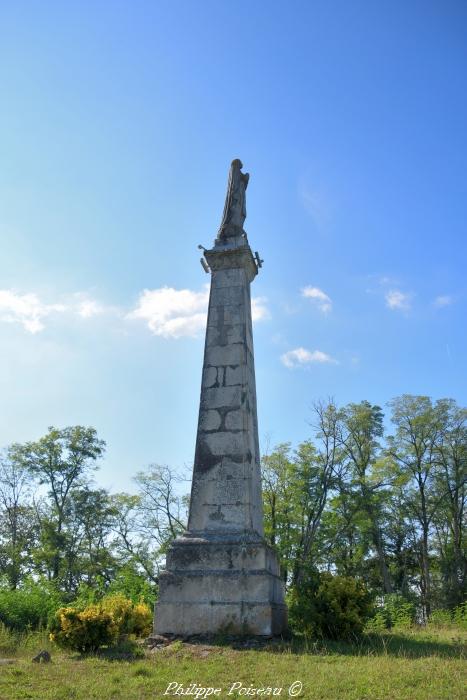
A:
{"x": 221, "y": 575}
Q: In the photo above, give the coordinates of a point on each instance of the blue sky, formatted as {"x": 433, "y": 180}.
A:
{"x": 118, "y": 122}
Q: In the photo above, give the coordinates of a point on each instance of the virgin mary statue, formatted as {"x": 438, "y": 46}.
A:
{"x": 234, "y": 214}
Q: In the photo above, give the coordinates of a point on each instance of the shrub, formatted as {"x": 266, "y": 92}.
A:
{"x": 27, "y": 608}
{"x": 393, "y": 611}
{"x": 440, "y": 617}
{"x": 120, "y": 610}
{"x": 142, "y": 620}
{"x": 83, "y": 630}
{"x": 324, "y": 605}
{"x": 130, "y": 618}
{"x": 100, "y": 624}
{"x": 459, "y": 616}
{"x": 134, "y": 586}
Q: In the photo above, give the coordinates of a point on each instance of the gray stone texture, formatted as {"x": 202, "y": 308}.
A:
{"x": 221, "y": 575}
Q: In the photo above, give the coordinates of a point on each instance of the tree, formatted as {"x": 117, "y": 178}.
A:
{"x": 87, "y": 551}
{"x": 134, "y": 543}
{"x": 449, "y": 519}
{"x": 360, "y": 428}
{"x": 295, "y": 492}
{"x": 62, "y": 460}
{"x": 146, "y": 523}
{"x": 414, "y": 449}
{"x": 162, "y": 507}
{"x": 17, "y": 527}
{"x": 281, "y": 497}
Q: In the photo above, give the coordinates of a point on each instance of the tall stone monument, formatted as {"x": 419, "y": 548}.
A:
{"x": 221, "y": 575}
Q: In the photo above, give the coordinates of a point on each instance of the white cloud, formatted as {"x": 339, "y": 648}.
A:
{"x": 26, "y": 309}
{"x": 443, "y": 300}
{"x": 172, "y": 313}
{"x": 89, "y": 308}
{"x": 302, "y": 356}
{"x": 259, "y": 310}
{"x": 397, "y": 300}
{"x": 318, "y": 297}
{"x": 168, "y": 312}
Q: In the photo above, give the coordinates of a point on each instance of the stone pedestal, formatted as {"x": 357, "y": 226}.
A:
{"x": 221, "y": 575}
{"x": 220, "y": 586}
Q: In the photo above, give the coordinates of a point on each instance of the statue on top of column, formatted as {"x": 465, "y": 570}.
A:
{"x": 234, "y": 214}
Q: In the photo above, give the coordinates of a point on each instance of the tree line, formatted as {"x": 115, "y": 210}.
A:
{"x": 386, "y": 507}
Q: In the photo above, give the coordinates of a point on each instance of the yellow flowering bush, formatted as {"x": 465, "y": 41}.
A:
{"x": 142, "y": 620}
{"x": 101, "y": 624}
{"x": 120, "y": 610}
{"x": 83, "y": 630}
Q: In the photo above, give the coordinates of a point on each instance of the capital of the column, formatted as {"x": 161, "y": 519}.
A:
{"x": 231, "y": 256}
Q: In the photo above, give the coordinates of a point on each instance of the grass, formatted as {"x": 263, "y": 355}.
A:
{"x": 412, "y": 664}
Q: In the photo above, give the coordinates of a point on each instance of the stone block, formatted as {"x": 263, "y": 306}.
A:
{"x": 236, "y": 420}
{"x": 209, "y": 420}
{"x": 226, "y": 443}
{"x": 225, "y": 334}
{"x": 209, "y": 377}
{"x": 222, "y": 355}
{"x": 235, "y": 375}
{"x": 228, "y": 314}
{"x": 221, "y": 397}
{"x": 222, "y": 296}
{"x": 201, "y": 600}
{"x": 229, "y": 278}
{"x": 207, "y": 555}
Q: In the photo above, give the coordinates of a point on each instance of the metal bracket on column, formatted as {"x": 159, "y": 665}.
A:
{"x": 203, "y": 262}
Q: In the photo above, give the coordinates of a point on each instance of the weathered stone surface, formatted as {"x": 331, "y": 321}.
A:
{"x": 223, "y": 396}
{"x": 235, "y": 375}
{"x": 209, "y": 420}
{"x": 235, "y": 420}
{"x": 222, "y": 355}
{"x": 221, "y": 575}
{"x": 209, "y": 377}
{"x": 242, "y": 618}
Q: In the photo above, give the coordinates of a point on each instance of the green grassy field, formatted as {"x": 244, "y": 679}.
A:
{"x": 411, "y": 665}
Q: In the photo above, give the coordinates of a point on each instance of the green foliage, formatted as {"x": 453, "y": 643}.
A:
{"x": 134, "y": 586}
{"x": 127, "y": 582}
{"x": 440, "y": 617}
{"x": 459, "y": 616}
{"x": 334, "y": 607}
{"x": 385, "y": 510}
{"x": 100, "y": 624}
{"x": 62, "y": 461}
{"x": 394, "y": 611}
{"x": 28, "y": 607}
{"x": 447, "y": 618}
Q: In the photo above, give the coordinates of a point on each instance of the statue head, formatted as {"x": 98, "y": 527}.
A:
{"x": 237, "y": 163}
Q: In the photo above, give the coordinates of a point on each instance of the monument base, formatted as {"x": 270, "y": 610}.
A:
{"x": 214, "y": 585}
